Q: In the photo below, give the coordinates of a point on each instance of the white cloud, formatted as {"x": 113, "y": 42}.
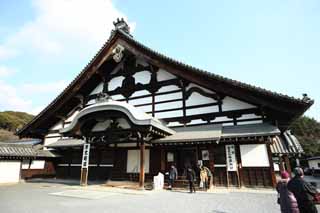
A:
{"x": 19, "y": 98}
{"x": 10, "y": 100}
{"x": 51, "y": 87}
{"x": 60, "y": 25}
{"x": 59, "y": 28}
{"x": 5, "y": 71}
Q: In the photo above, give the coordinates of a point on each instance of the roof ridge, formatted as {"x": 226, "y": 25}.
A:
{"x": 220, "y": 77}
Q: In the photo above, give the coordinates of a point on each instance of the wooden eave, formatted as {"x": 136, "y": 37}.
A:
{"x": 287, "y": 108}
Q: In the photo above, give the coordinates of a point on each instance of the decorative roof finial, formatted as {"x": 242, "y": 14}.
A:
{"x": 305, "y": 97}
{"x": 121, "y": 24}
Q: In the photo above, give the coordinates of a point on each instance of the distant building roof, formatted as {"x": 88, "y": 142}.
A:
{"x": 286, "y": 143}
{"x": 32, "y": 141}
{"x": 8, "y": 150}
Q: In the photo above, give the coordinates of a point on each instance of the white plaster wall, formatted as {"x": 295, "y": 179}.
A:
{"x": 168, "y": 88}
{"x": 254, "y": 155}
{"x": 172, "y": 96}
{"x": 115, "y": 82}
{"x": 37, "y": 164}
{"x": 170, "y": 105}
{"x": 234, "y": 104}
{"x": 141, "y": 101}
{"x": 163, "y": 75}
{"x": 196, "y": 99}
{"x": 170, "y": 114}
{"x": 145, "y": 108}
{"x": 133, "y": 161}
{"x": 117, "y": 97}
{"x": 314, "y": 163}
{"x": 142, "y": 77}
{"x": 140, "y": 93}
{"x": 202, "y": 110}
{"x": 9, "y": 171}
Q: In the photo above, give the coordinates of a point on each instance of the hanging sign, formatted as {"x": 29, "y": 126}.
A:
{"x": 85, "y": 155}
{"x": 231, "y": 158}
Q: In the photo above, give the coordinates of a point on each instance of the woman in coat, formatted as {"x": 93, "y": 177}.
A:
{"x": 286, "y": 199}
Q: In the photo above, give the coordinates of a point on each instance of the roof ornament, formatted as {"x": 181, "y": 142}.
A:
{"x": 121, "y": 24}
{"x": 103, "y": 97}
{"x": 305, "y": 98}
{"x": 118, "y": 53}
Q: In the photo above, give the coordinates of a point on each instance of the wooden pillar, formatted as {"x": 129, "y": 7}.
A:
{"x": 163, "y": 160}
{"x": 85, "y": 165}
{"x": 239, "y": 171}
{"x": 281, "y": 166}
{"x": 271, "y": 169}
{"x": 142, "y": 153}
{"x": 288, "y": 166}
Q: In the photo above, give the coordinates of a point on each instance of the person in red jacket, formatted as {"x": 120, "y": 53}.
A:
{"x": 286, "y": 199}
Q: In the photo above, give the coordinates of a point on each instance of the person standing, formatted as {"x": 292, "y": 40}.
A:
{"x": 203, "y": 178}
{"x": 173, "y": 175}
{"x": 287, "y": 201}
{"x": 191, "y": 177}
{"x": 303, "y": 191}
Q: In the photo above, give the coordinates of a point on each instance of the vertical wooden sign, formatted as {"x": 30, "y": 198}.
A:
{"x": 85, "y": 165}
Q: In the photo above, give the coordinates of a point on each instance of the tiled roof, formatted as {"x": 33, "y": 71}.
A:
{"x": 286, "y": 144}
{"x": 68, "y": 142}
{"x": 23, "y": 150}
{"x": 210, "y": 133}
{"x": 305, "y": 102}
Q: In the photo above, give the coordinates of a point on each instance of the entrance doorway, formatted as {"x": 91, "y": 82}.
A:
{"x": 186, "y": 158}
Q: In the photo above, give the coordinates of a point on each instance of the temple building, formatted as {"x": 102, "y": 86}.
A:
{"x": 133, "y": 112}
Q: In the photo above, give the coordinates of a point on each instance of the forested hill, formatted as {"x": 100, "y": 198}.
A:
{"x": 307, "y": 131}
{"x": 10, "y": 121}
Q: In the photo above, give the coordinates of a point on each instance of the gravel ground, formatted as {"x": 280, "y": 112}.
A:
{"x": 55, "y": 197}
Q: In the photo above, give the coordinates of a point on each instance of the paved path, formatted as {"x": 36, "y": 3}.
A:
{"x": 51, "y": 197}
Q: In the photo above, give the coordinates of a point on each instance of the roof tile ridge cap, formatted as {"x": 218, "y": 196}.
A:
{"x": 112, "y": 35}
{"x": 238, "y": 83}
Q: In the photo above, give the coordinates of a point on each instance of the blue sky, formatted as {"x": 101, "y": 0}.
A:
{"x": 272, "y": 44}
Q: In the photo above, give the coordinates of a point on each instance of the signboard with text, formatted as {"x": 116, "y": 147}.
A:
{"x": 85, "y": 155}
{"x": 231, "y": 158}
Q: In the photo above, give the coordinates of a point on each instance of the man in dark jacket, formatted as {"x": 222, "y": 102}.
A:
{"x": 191, "y": 177}
{"x": 173, "y": 175}
{"x": 303, "y": 191}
